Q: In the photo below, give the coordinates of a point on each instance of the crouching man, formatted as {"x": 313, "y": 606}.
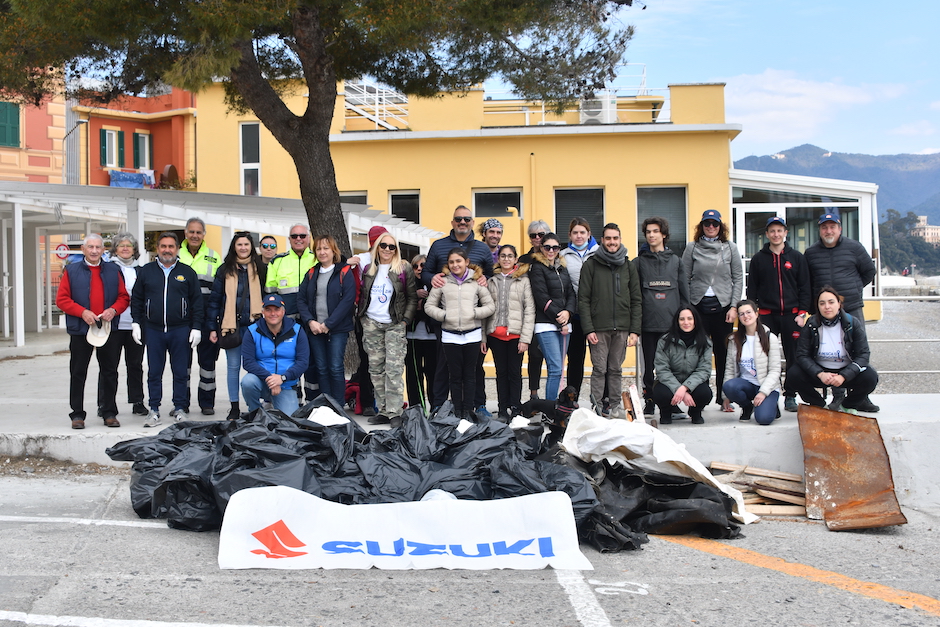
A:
{"x": 275, "y": 353}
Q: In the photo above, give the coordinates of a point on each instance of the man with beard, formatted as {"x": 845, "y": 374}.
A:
{"x": 168, "y": 300}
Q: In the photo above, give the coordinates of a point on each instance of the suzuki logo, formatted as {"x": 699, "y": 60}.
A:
{"x": 274, "y": 538}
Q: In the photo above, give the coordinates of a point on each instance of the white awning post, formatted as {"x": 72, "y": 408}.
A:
{"x": 19, "y": 313}
{"x": 5, "y": 276}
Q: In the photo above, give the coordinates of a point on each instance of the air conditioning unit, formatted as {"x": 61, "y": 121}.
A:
{"x": 602, "y": 109}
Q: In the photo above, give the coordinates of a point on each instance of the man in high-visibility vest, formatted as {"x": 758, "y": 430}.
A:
{"x": 205, "y": 262}
{"x": 285, "y": 273}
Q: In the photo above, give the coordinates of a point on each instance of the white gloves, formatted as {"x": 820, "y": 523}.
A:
{"x": 135, "y": 332}
{"x": 195, "y": 336}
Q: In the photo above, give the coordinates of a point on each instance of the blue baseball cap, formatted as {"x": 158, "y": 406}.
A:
{"x": 711, "y": 214}
{"x": 272, "y": 300}
{"x": 776, "y": 220}
{"x": 830, "y": 217}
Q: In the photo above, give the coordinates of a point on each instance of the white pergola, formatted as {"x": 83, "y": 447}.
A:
{"x": 29, "y": 211}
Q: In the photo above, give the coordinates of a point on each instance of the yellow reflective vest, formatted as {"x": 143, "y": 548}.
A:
{"x": 205, "y": 263}
{"x": 285, "y": 273}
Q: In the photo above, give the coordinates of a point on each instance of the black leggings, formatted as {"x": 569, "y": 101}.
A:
{"x": 662, "y": 396}
{"x": 718, "y": 330}
{"x": 462, "y": 369}
{"x": 508, "y": 362}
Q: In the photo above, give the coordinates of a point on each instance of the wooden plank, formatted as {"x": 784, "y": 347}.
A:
{"x": 776, "y": 510}
{"x": 790, "y": 487}
{"x": 780, "y": 496}
{"x": 761, "y": 472}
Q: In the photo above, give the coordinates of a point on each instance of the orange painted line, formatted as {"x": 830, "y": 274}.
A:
{"x": 827, "y": 577}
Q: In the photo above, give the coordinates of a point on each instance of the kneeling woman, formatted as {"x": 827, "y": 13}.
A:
{"x": 461, "y": 306}
{"x": 752, "y": 367}
{"x": 832, "y": 352}
{"x": 683, "y": 366}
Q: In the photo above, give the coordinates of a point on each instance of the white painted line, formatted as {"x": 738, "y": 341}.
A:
{"x": 83, "y": 621}
{"x": 585, "y": 604}
{"x": 85, "y": 521}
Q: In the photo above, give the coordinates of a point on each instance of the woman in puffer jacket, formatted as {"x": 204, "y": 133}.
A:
{"x": 752, "y": 367}
{"x": 509, "y": 330}
{"x": 683, "y": 366}
{"x": 461, "y": 306}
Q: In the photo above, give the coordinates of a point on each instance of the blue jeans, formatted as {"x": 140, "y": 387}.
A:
{"x": 742, "y": 392}
{"x": 233, "y": 358}
{"x": 174, "y": 341}
{"x": 554, "y": 345}
{"x": 328, "y": 350}
{"x": 256, "y": 390}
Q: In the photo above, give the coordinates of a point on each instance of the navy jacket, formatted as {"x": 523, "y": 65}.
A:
{"x": 847, "y": 267}
{"x": 166, "y": 303}
{"x": 479, "y": 253}
{"x": 287, "y": 353}
{"x": 340, "y": 298}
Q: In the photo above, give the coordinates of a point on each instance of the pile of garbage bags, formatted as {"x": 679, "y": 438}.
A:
{"x": 187, "y": 472}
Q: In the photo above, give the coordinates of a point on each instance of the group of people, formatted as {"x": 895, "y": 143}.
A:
{"x": 284, "y": 320}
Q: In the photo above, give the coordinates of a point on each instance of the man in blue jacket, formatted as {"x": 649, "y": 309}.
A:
{"x": 275, "y": 353}
{"x": 167, "y": 309}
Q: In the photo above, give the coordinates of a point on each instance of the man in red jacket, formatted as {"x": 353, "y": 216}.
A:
{"x": 92, "y": 293}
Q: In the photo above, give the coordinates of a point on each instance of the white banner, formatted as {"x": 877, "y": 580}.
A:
{"x": 281, "y": 527}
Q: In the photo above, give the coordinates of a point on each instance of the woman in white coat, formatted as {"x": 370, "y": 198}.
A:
{"x": 752, "y": 367}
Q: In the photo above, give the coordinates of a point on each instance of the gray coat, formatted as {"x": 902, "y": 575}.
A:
{"x": 717, "y": 264}
{"x": 513, "y": 297}
{"x": 677, "y": 364}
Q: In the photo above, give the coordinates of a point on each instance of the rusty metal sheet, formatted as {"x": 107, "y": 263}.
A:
{"x": 847, "y": 471}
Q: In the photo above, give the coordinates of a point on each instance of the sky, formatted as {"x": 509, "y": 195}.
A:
{"x": 855, "y": 76}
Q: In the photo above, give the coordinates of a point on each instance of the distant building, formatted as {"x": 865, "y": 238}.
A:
{"x": 928, "y": 233}
{"x": 31, "y": 141}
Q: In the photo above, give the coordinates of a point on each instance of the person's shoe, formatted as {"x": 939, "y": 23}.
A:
{"x": 649, "y": 407}
{"x": 867, "y": 406}
{"x": 111, "y": 421}
{"x": 78, "y": 423}
{"x": 369, "y": 412}
{"x": 746, "y": 414}
{"x": 152, "y": 419}
{"x": 208, "y": 411}
{"x": 234, "y": 413}
{"x": 789, "y": 403}
{"x": 696, "y": 417}
{"x": 179, "y": 414}
{"x": 139, "y": 409}
{"x": 379, "y": 420}
{"x": 838, "y": 395}
{"x": 504, "y": 416}
{"x": 533, "y": 395}
{"x": 482, "y": 412}
{"x": 665, "y": 419}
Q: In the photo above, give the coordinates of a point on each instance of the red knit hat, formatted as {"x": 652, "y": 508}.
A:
{"x": 375, "y": 233}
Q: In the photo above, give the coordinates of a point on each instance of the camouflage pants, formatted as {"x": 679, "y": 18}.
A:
{"x": 386, "y": 345}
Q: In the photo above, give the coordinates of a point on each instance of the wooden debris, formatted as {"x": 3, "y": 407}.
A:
{"x": 765, "y": 492}
{"x": 780, "y": 496}
{"x": 776, "y": 510}
{"x": 761, "y": 472}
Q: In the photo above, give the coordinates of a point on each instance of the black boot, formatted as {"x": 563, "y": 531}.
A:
{"x": 234, "y": 412}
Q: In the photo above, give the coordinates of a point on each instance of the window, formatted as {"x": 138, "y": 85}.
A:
{"x": 664, "y": 202}
{"x": 493, "y": 203}
{"x": 405, "y": 205}
{"x": 112, "y": 148}
{"x": 251, "y": 159}
{"x": 579, "y": 203}
{"x": 143, "y": 151}
{"x": 353, "y": 198}
{"x": 9, "y": 124}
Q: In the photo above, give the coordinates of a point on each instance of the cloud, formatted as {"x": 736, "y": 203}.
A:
{"x": 778, "y": 106}
{"x": 935, "y": 106}
{"x": 914, "y": 129}
{"x": 927, "y": 151}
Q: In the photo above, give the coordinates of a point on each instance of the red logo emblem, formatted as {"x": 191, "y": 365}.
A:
{"x": 787, "y": 265}
{"x": 796, "y": 335}
{"x": 275, "y": 537}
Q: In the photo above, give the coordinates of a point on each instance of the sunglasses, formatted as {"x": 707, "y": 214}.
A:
{"x": 391, "y": 247}
{"x": 298, "y": 236}
{"x": 711, "y": 224}
{"x": 556, "y": 247}
{"x": 538, "y": 235}
{"x": 269, "y": 246}
{"x": 242, "y": 233}
{"x": 466, "y": 219}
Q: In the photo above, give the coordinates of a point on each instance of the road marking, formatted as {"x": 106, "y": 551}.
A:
{"x": 85, "y": 621}
{"x": 827, "y": 577}
{"x": 619, "y": 586}
{"x": 585, "y": 604}
{"x": 85, "y": 521}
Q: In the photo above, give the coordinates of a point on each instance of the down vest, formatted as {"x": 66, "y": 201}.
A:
{"x": 515, "y": 308}
{"x": 767, "y": 364}
{"x": 460, "y": 307}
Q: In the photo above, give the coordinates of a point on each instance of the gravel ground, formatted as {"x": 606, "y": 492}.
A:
{"x": 45, "y": 467}
{"x": 906, "y": 320}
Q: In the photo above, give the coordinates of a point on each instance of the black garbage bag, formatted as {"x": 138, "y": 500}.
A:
{"x": 186, "y": 491}
{"x": 608, "y": 535}
{"x": 294, "y": 473}
{"x": 531, "y": 439}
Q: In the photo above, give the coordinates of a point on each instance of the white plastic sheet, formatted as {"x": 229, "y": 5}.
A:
{"x": 284, "y": 528}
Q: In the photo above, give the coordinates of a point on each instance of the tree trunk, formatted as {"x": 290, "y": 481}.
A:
{"x": 305, "y": 138}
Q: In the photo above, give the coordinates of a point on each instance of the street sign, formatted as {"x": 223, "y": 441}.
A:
{"x": 62, "y": 251}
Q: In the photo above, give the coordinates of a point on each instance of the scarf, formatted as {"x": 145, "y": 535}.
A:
{"x": 688, "y": 337}
{"x": 461, "y": 279}
{"x": 230, "y": 315}
{"x": 127, "y": 263}
{"x": 837, "y": 319}
{"x": 614, "y": 260}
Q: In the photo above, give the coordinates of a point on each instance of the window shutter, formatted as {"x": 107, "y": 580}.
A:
{"x": 103, "y": 140}
{"x": 583, "y": 203}
{"x": 9, "y": 124}
{"x": 120, "y": 149}
{"x": 665, "y": 202}
{"x": 150, "y": 152}
{"x": 136, "y": 150}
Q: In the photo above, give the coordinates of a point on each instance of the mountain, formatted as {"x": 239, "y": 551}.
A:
{"x": 905, "y": 182}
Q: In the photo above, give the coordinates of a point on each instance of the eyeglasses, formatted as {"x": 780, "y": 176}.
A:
{"x": 711, "y": 224}
{"x": 268, "y": 245}
{"x": 298, "y": 235}
{"x": 391, "y": 247}
{"x": 466, "y": 219}
{"x": 741, "y": 314}
{"x": 507, "y": 256}
{"x": 538, "y": 235}
{"x": 556, "y": 247}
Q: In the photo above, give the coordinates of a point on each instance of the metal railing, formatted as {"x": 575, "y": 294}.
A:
{"x": 908, "y": 340}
